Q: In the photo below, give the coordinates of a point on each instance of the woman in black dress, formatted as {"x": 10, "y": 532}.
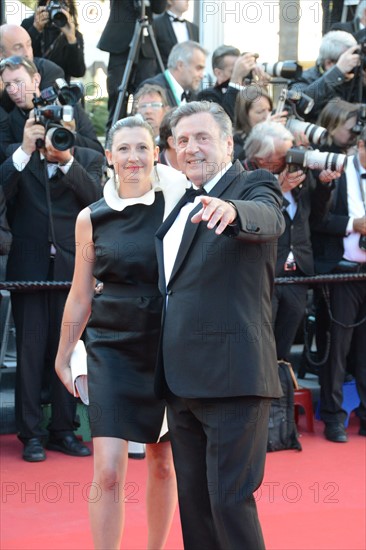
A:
{"x": 115, "y": 245}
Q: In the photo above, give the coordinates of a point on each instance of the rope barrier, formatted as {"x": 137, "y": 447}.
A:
{"x": 26, "y": 286}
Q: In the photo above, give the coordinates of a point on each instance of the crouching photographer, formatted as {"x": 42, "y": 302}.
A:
{"x": 45, "y": 188}
{"x": 306, "y": 195}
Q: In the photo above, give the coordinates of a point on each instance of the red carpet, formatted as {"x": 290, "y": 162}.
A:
{"x": 312, "y": 500}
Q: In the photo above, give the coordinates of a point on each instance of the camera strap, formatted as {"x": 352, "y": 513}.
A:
{"x": 361, "y": 181}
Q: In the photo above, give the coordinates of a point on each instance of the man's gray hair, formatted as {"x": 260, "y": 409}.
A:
{"x": 184, "y": 51}
{"x": 196, "y": 107}
{"x": 333, "y": 44}
{"x": 261, "y": 142}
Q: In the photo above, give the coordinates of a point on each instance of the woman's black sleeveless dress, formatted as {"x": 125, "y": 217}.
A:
{"x": 122, "y": 335}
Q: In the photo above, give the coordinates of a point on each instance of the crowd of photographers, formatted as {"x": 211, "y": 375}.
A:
{"x": 303, "y": 126}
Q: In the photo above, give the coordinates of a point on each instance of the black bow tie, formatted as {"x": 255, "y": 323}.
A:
{"x": 176, "y": 19}
{"x": 363, "y": 176}
{"x": 185, "y": 95}
{"x": 192, "y": 193}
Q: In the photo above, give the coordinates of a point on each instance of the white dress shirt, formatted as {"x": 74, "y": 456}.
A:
{"x": 356, "y": 209}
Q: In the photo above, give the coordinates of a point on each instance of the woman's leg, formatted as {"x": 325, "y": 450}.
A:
{"x": 106, "y": 499}
{"x": 161, "y": 497}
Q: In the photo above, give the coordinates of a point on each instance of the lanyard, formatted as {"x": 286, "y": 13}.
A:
{"x": 172, "y": 87}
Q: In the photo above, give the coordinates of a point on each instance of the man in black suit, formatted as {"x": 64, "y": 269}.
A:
{"x": 116, "y": 39}
{"x": 339, "y": 243}
{"x": 217, "y": 367}
{"x": 14, "y": 40}
{"x": 170, "y": 28}
{"x": 182, "y": 78}
{"x": 45, "y": 189}
{"x": 305, "y": 196}
{"x": 230, "y": 68}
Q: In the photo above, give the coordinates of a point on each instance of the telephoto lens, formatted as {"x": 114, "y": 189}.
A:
{"x": 315, "y": 160}
{"x": 315, "y": 134}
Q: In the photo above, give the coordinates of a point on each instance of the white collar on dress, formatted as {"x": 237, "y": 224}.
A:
{"x": 163, "y": 178}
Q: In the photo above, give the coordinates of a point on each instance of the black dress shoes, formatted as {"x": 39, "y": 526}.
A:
{"x": 69, "y": 445}
{"x": 335, "y": 431}
{"x": 33, "y": 450}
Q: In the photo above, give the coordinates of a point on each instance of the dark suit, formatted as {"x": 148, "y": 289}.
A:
{"x": 37, "y": 218}
{"x": 348, "y": 306}
{"x": 116, "y": 39}
{"x": 160, "y": 80}
{"x": 52, "y": 44}
{"x": 165, "y": 35}
{"x": 223, "y": 94}
{"x": 217, "y": 364}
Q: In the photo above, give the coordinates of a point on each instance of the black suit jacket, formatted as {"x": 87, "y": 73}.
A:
{"x": 217, "y": 338}
{"x": 222, "y": 94}
{"x": 161, "y": 81}
{"x": 29, "y": 213}
{"x": 118, "y": 32}
{"x": 165, "y": 35}
{"x": 328, "y": 233}
{"x": 353, "y": 27}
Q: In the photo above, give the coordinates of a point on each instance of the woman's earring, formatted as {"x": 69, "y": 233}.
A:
{"x": 156, "y": 174}
{"x": 116, "y": 181}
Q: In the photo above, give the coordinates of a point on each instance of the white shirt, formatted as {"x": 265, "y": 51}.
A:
{"x": 180, "y": 29}
{"x": 352, "y": 251}
{"x": 173, "y": 237}
{"x": 21, "y": 159}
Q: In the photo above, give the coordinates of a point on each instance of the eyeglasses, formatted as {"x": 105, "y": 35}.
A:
{"x": 14, "y": 61}
{"x": 154, "y": 105}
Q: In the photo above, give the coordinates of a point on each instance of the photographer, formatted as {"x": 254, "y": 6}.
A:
{"x": 116, "y": 39}
{"x": 55, "y": 36}
{"x": 304, "y": 197}
{"x": 25, "y": 83}
{"x": 45, "y": 189}
{"x": 339, "y": 243}
{"x": 230, "y": 68}
{"x": 334, "y": 72}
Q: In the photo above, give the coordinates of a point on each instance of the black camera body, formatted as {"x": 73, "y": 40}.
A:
{"x": 49, "y": 113}
{"x": 57, "y": 17}
{"x": 362, "y": 242}
{"x": 361, "y": 120}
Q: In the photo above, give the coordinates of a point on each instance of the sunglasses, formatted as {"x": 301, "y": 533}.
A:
{"x": 15, "y": 61}
{"x": 154, "y": 105}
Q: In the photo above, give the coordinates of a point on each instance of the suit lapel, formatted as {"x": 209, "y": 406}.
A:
{"x": 170, "y": 30}
{"x": 190, "y": 228}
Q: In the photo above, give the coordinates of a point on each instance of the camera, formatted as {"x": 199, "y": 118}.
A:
{"x": 362, "y": 242}
{"x": 284, "y": 69}
{"x": 49, "y": 114}
{"x": 315, "y": 134}
{"x": 57, "y": 17}
{"x": 298, "y": 158}
{"x": 294, "y": 101}
{"x": 361, "y": 120}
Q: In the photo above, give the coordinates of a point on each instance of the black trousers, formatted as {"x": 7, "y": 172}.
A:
{"x": 37, "y": 318}
{"x": 348, "y": 305}
{"x": 288, "y": 310}
{"x": 219, "y": 449}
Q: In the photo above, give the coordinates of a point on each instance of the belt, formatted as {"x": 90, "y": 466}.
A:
{"x": 116, "y": 289}
{"x": 345, "y": 266}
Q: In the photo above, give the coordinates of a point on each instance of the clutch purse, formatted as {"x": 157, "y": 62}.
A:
{"x": 79, "y": 372}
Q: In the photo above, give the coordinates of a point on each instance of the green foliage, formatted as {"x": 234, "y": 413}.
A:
{"x": 98, "y": 114}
